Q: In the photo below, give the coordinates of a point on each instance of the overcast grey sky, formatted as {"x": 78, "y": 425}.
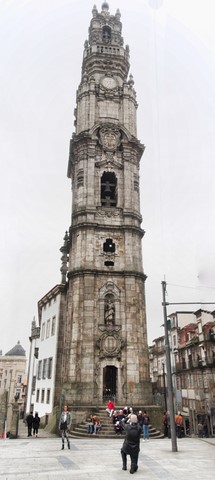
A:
{"x": 172, "y": 52}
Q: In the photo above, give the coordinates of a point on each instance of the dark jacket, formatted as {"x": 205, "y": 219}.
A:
{"x": 30, "y": 419}
{"x": 36, "y": 421}
{"x": 140, "y": 419}
{"x": 132, "y": 438}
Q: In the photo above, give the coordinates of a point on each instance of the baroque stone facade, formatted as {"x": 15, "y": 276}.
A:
{"x": 105, "y": 337}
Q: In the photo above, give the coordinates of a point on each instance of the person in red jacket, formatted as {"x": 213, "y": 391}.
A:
{"x": 110, "y": 408}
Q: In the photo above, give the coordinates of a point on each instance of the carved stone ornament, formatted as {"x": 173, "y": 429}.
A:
{"x": 109, "y": 138}
{"x": 111, "y": 212}
{"x": 110, "y": 345}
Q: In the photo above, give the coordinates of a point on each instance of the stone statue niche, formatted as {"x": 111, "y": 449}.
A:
{"x": 109, "y": 310}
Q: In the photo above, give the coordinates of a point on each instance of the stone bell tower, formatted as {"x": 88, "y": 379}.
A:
{"x": 105, "y": 337}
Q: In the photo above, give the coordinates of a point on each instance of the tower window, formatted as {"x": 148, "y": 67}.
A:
{"x": 108, "y": 189}
{"x": 80, "y": 178}
{"x": 109, "y": 246}
{"x": 109, "y": 263}
{"x": 136, "y": 183}
{"x": 106, "y": 33}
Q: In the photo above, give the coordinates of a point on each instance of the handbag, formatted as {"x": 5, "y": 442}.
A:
{"x": 63, "y": 425}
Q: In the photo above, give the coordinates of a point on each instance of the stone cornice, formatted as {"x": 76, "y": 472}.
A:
{"x": 114, "y": 273}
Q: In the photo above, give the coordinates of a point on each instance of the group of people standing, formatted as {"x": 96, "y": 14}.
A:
{"x": 132, "y": 426}
{"x": 33, "y": 423}
{"x": 178, "y": 424}
{"x": 124, "y": 414}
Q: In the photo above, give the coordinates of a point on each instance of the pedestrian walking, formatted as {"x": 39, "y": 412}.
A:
{"x": 36, "y": 424}
{"x": 29, "y": 421}
{"x": 64, "y": 424}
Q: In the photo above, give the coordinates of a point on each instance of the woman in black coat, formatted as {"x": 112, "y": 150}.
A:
{"x": 36, "y": 424}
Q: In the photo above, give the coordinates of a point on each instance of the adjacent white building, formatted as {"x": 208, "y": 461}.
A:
{"x": 43, "y": 355}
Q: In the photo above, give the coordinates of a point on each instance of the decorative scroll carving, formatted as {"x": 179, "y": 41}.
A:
{"x": 116, "y": 212}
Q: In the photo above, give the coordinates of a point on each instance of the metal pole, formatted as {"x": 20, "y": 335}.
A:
{"x": 164, "y": 386}
{"x": 168, "y": 372}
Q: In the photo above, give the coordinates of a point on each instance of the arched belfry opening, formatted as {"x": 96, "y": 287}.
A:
{"x": 109, "y": 381}
{"x": 109, "y": 189}
{"x": 106, "y": 33}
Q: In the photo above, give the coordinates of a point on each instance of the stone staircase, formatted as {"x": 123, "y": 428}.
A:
{"x": 107, "y": 430}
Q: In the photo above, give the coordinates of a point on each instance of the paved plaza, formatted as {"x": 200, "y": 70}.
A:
{"x": 96, "y": 459}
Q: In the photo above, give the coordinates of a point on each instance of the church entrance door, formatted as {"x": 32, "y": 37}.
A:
{"x": 109, "y": 382}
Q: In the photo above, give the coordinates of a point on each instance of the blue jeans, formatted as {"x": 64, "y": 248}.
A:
{"x": 90, "y": 428}
{"x": 145, "y": 432}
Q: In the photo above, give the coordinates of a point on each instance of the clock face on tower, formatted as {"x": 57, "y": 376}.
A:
{"x": 109, "y": 83}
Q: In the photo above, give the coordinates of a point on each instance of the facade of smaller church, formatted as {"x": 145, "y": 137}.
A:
{"x": 12, "y": 386}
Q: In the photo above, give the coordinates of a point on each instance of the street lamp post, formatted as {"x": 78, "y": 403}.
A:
{"x": 164, "y": 386}
{"x": 168, "y": 372}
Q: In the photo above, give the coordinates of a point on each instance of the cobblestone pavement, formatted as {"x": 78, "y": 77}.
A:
{"x": 95, "y": 459}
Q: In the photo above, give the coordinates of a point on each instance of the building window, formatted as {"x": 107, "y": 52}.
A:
{"x": 109, "y": 189}
{"x": 33, "y": 383}
{"x": 106, "y": 33}
{"x": 48, "y": 328}
{"x": 17, "y": 394}
{"x": 109, "y": 246}
{"x": 48, "y": 395}
{"x": 44, "y": 367}
{"x": 80, "y": 178}
{"x": 53, "y": 325}
{"x": 36, "y": 352}
{"x": 19, "y": 378}
{"x": 50, "y": 363}
{"x": 136, "y": 183}
{"x": 38, "y": 395}
{"x": 39, "y": 371}
{"x": 43, "y": 331}
{"x": 42, "y": 395}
